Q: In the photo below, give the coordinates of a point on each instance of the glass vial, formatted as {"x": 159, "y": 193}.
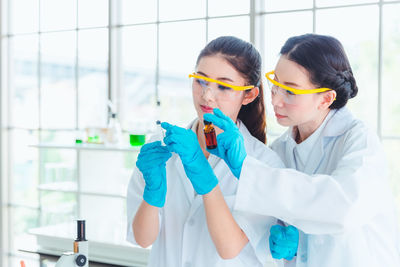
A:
{"x": 209, "y": 132}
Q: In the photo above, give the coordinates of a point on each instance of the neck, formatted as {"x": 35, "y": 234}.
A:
{"x": 303, "y": 131}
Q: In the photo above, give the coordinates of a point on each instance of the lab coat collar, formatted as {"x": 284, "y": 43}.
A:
{"x": 336, "y": 123}
{"x": 339, "y": 123}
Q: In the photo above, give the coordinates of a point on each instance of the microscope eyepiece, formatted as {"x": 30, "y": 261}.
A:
{"x": 81, "y": 231}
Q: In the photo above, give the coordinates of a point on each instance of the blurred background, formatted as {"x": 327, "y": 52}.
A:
{"x": 62, "y": 61}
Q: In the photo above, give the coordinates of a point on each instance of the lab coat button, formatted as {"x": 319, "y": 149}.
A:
{"x": 187, "y": 264}
{"x": 304, "y": 257}
{"x": 191, "y": 222}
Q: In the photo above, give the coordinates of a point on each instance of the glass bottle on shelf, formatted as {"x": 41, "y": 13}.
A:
{"x": 114, "y": 131}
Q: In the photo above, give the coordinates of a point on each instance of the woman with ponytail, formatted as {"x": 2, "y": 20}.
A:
{"x": 181, "y": 203}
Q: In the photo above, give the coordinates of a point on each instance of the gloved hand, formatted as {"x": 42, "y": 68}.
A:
{"x": 151, "y": 162}
{"x": 283, "y": 241}
{"x": 230, "y": 143}
{"x": 184, "y": 142}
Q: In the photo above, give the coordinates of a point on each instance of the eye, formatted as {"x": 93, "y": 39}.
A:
{"x": 223, "y": 88}
{"x": 289, "y": 92}
{"x": 201, "y": 82}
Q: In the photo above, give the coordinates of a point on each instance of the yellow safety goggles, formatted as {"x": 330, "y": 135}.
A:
{"x": 234, "y": 87}
{"x": 295, "y": 91}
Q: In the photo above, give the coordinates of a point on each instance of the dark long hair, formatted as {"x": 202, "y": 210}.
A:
{"x": 325, "y": 60}
{"x": 245, "y": 58}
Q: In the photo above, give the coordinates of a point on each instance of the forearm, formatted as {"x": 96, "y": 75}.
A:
{"x": 146, "y": 224}
{"x": 226, "y": 234}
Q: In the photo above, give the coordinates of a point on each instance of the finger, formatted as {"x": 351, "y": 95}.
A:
{"x": 154, "y": 156}
{"x": 173, "y": 139}
{"x": 220, "y": 123}
{"x": 166, "y": 125}
{"x": 151, "y": 153}
{"x": 173, "y": 129}
{"x": 151, "y": 163}
{"x": 156, "y": 149}
{"x": 214, "y": 151}
{"x": 149, "y": 146}
{"x": 292, "y": 231}
{"x": 221, "y": 115}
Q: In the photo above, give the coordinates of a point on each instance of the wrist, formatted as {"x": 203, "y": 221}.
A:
{"x": 155, "y": 198}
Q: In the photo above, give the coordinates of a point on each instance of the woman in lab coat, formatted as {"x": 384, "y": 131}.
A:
{"x": 171, "y": 212}
{"x": 335, "y": 190}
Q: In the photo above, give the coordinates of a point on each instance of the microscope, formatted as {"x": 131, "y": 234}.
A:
{"x": 79, "y": 257}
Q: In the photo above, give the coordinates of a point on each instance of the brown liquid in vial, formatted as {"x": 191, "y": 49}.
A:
{"x": 209, "y": 132}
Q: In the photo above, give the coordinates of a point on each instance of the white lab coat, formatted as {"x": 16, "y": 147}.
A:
{"x": 184, "y": 239}
{"x": 340, "y": 199}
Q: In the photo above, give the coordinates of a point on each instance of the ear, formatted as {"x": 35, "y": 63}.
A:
{"x": 250, "y": 95}
{"x": 327, "y": 99}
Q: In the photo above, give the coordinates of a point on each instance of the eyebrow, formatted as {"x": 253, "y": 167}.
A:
{"x": 219, "y": 78}
{"x": 289, "y": 83}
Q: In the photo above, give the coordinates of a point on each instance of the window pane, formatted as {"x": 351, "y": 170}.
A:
{"x": 23, "y": 175}
{"x": 57, "y": 15}
{"x": 57, "y": 207}
{"x": 392, "y": 148}
{"x": 24, "y": 104}
{"x": 22, "y": 219}
{"x": 238, "y": 26}
{"x": 362, "y": 51}
{"x": 138, "y": 11}
{"x": 4, "y": 11}
{"x": 390, "y": 73}
{"x": 105, "y": 217}
{"x": 24, "y": 16}
{"x": 228, "y": 7}
{"x": 104, "y": 172}
{"x": 58, "y": 80}
{"x": 178, "y": 9}
{"x": 274, "y": 39}
{"x": 88, "y": 18}
{"x": 139, "y": 57}
{"x": 278, "y": 5}
{"x": 177, "y": 60}
{"x": 323, "y": 3}
{"x": 93, "y": 78}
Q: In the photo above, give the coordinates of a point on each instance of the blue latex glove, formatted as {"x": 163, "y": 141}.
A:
{"x": 151, "y": 162}
{"x": 184, "y": 142}
{"x": 230, "y": 143}
{"x": 283, "y": 241}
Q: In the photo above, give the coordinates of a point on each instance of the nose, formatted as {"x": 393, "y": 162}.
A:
{"x": 276, "y": 99}
{"x": 208, "y": 93}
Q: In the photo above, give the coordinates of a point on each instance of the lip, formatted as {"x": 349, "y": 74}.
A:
{"x": 206, "y": 109}
{"x": 279, "y": 116}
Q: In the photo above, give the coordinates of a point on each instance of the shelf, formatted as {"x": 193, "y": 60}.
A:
{"x": 98, "y": 147}
{"x": 65, "y": 187}
{"x": 71, "y": 187}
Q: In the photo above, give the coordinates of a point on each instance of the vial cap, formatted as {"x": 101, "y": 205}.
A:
{"x": 207, "y": 122}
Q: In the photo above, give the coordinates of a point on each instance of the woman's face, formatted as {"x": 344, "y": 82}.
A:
{"x": 304, "y": 108}
{"x": 227, "y": 100}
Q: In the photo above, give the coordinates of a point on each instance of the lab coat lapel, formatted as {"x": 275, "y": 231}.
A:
{"x": 336, "y": 124}
{"x": 315, "y": 157}
{"x": 290, "y": 144}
